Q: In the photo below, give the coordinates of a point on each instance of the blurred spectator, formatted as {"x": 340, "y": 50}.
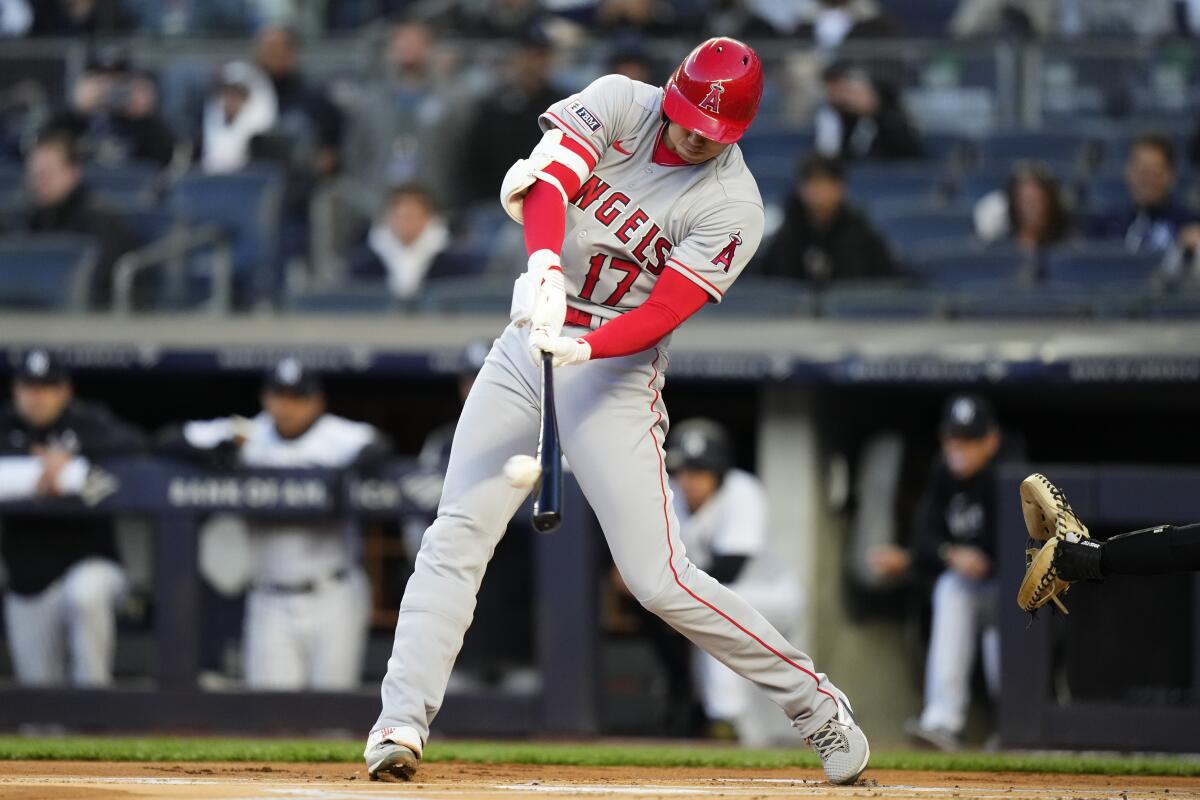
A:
{"x": 505, "y": 19}
{"x": 392, "y": 136}
{"x": 835, "y": 21}
{"x": 654, "y": 17}
{"x": 61, "y": 202}
{"x": 403, "y": 246}
{"x": 723, "y": 524}
{"x": 999, "y": 17}
{"x": 501, "y": 126}
{"x": 242, "y": 106}
{"x": 311, "y": 123}
{"x": 114, "y": 114}
{"x": 631, "y": 60}
{"x": 308, "y": 605}
{"x": 954, "y": 542}
{"x": 79, "y": 17}
{"x": 1030, "y": 211}
{"x": 16, "y": 18}
{"x": 65, "y": 578}
{"x": 1155, "y": 221}
{"x": 823, "y": 238}
{"x": 863, "y": 118}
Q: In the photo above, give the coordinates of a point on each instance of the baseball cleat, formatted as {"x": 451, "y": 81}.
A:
{"x": 841, "y": 745}
{"x": 1046, "y": 510}
{"x": 392, "y": 754}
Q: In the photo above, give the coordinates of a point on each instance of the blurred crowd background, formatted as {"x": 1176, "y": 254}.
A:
{"x": 922, "y": 161}
{"x": 344, "y": 155}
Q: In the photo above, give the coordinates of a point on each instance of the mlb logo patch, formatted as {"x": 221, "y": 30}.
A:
{"x": 591, "y": 120}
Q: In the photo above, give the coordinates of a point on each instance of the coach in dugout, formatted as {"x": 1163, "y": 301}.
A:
{"x": 954, "y": 542}
{"x": 308, "y": 605}
{"x": 64, "y": 577}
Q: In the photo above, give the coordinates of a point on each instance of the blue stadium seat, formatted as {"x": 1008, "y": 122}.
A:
{"x": 1045, "y": 145}
{"x": 360, "y": 297}
{"x": 775, "y": 175}
{"x": 484, "y": 224}
{"x": 776, "y": 142}
{"x": 776, "y": 297}
{"x": 1105, "y": 191}
{"x": 1101, "y": 265}
{"x": 926, "y": 18}
{"x": 907, "y": 230}
{"x": 46, "y": 273}
{"x": 886, "y": 302}
{"x": 1181, "y": 305}
{"x": 873, "y": 183}
{"x": 12, "y": 182}
{"x": 1008, "y": 301}
{"x": 149, "y": 223}
{"x": 968, "y": 265}
{"x": 473, "y": 294}
{"x": 130, "y": 185}
{"x": 246, "y": 205}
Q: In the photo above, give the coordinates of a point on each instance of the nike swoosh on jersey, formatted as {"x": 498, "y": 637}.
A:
{"x": 617, "y": 146}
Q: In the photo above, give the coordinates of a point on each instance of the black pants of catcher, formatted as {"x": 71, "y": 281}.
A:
{"x": 1160, "y": 550}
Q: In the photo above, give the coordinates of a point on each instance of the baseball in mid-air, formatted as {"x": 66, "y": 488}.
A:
{"x": 522, "y": 471}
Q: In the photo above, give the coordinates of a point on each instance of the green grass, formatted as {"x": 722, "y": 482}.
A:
{"x": 581, "y": 754}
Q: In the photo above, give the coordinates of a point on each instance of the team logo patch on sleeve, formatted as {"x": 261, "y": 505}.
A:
{"x": 591, "y": 120}
{"x": 725, "y": 257}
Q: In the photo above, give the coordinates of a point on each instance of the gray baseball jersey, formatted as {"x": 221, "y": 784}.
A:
{"x": 631, "y": 220}
{"x": 634, "y": 218}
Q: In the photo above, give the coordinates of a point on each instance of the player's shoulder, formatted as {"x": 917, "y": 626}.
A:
{"x": 623, "y": 90}
{"x": 333, "y": 427}
{"x": 732, "y": 175}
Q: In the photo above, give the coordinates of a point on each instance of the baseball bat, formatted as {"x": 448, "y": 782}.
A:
{"x": 547, "y": 506}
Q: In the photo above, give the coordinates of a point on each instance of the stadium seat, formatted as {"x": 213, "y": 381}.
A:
{"x": 774, "y": 297}
{"x": 362, "y": 297}
{"x": 1006, "y": 301}
{"x": 1048, "y": 145}
{"x": 907, "y": 230}
{"x": 881, "y": 302}
{"x": 46, "y": 273}
{"x": 954, "y": 266}
{"x": 149, "y": 224}
{"x": 872, "y": 183}
{"x": 776, "y": 142}
{"x": 464, "y": 295}
{"x": 775, "y": 175}
{"x": 1105, "y": 191}
{"x": 1101, "y": 265}
{"x": 122, "y": 187}
{"x": 12, "y": 182}
{"x": 246, "y": 205}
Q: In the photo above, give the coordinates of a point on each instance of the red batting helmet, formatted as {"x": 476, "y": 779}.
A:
{"x": 715, "y": 91}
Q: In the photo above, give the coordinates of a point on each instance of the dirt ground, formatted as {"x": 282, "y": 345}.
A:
{"x": 46, "y": 780}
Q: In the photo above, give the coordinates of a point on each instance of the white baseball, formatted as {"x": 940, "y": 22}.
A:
{"x": 522, "y": 471}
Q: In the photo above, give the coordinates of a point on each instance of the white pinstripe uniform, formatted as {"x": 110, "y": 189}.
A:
{"x": 631, "y": 220}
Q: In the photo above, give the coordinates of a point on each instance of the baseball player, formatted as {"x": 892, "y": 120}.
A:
{"x": 1066, "y": 553}
{"x": 638, "y": 209}
{"x": 65, "y": 578}
{"x": 954, "y": 538}
{"x": 308, "y": 606}
{"x": 722, "y": 515}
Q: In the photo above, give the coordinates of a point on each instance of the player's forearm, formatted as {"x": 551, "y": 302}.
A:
{"x": 672, "y": 301}
{"x": 545, "y": 219}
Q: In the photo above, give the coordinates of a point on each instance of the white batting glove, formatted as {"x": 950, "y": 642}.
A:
{"x": 565, "y": 351}
{"x": 549, "y": 295}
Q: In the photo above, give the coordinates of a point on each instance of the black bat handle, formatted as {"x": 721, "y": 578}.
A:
{"x": 547, "y": 506}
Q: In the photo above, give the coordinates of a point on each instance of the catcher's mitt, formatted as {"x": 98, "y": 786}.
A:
{"x": 1049, "y": 519}
{"x": 1047, "y": 512}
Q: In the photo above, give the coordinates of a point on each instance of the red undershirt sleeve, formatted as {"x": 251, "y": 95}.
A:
{"x": 672, "y": 300}
{"x": 545, "y": 218}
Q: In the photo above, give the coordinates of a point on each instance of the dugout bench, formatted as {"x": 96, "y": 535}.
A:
{"x": 175, "y": 497}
